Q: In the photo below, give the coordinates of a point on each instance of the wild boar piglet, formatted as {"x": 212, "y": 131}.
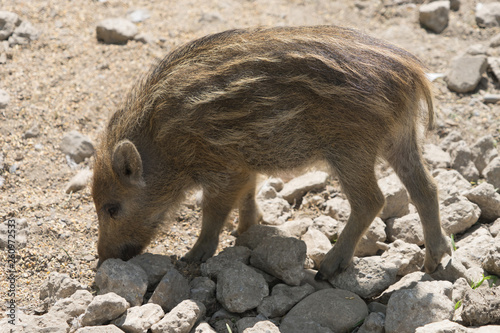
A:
{"x": 221, "y": 109}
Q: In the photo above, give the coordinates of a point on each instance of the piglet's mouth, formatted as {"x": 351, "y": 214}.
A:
{"x": 127, "y": 251}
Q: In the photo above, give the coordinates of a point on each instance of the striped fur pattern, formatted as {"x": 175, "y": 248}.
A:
{"x": 219, "y": 110}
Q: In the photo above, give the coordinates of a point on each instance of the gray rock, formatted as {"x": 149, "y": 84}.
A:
{"x": 407, "y": 282}
{"x": 240, "y": 288}
{"x": 453, "y": 136}
{"x": 58, "y": 286}
{"x": 329, "y": 310}
{"x": 338, "y": 208}
{"x": 465, "y": 73}
{"x": 33, "y": 132}
{"x": 77, "y": 146}
{"x": 374, "y": 323}
{"x": 203, "y": 291}
{"x": 79, "y": 181}
{"x": 458, "y": 214}
{"x": 257, "y": 233}
{"x": 450, "y": 269}
{"x": 297, "y": 228}
{"x": 445, "y": 326}
{"x": 436, "y": 157}
{"x": 247, "y": 322}
{"x": 8, "y": 23}
{"x": 494, "y": 67}
{"x": 22, "y": 232}
{"x": 274, "y": 211}
{"x": 4, "y": 99}
{"x": 396, "y": 197}
{"x": 282, "y": 257}
{"x": 488, "y": 14}
{"x": 425, "y": 303}
{"x": 262, "y": 326}
{"x": 495, "y": 228}
{"x": 409, "y": 257}
{"x": 492, "y": 172}
{"x": 115, "y": 31}
{"x": 24, "y": 34}
{"x": 407, "y": 228}
{"x": 328, "y": 226}
{"x": 488, "y": 200}
{"x": 491, "y": 262}
{"x": 99, "y": 329}
{"x": 460, "y": 287}
{"x": 104, "y": 308}
{"x": 317, "y": 245}
{"x": 295, "y": 189}
{"x": 481, "y": 306}
{"x": 27, "y": 323}
{"x": 71, "y": 307}
{"x": 139, "y": 319}
{"x": 495, "y": 41}
{"x": 474, "y": 247}
{"x": 223, "y": 318}
{"x": 450, "y": 183}
{"x": 462, "y": 160}
{"x": 491, "y": 98}
{"x": 172, "y": 289}
{"x": 282, "y": 299}
{"x": 230, "y": 255}
{"x": 181, "y": 319}
{"x": 366, "y": 277}
{"x": 155, "y": 266}
{"x": 483, "y": 152}
{"x": 369, "y": 243}
{"x": 435, "y": 15}
{"x": 123, "y": 278}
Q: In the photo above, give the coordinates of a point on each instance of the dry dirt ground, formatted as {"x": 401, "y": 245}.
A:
{"x": 66, "y": 80}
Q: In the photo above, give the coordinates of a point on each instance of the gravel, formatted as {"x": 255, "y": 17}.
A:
{"x": 61, "y": 78}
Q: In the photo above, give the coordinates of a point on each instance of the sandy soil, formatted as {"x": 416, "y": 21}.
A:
{"x": 66, "y": 80}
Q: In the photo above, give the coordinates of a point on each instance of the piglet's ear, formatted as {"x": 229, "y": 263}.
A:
{"x": 127, "y": 163}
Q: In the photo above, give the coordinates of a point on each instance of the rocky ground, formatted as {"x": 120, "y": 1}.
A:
{"x": 60, "y": 84}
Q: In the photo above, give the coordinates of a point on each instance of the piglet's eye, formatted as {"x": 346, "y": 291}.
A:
{"x": 112, "y": 209}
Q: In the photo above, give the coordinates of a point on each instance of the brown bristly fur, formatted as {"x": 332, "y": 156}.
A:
{"x": 219, "y": 110}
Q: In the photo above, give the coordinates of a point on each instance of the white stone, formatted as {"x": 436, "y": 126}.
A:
{"x": 295, "y": 189}
{"x": 104, "y": 308}
{"x": 396, "y": 197}
{"x": 488, "y": 14}
{"x": 432, "y": 299}
{"x": 116, "y": 31}
{"x": 367, "y": 276}
{"x": 181, "y": 319}
{"x": 317, "y": 245}
{"x": 139, "y": 319}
